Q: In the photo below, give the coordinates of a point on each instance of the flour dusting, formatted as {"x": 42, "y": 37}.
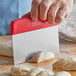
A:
{"x": 68, "y": 26}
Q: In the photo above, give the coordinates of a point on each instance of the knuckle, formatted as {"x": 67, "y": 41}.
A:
{"x": 43, "y": 6}
{"x": 51, "y": 13}
{"x": 59, "y": 0}
{"x": 65, "y": 7}
{"x": 35, "y": 2}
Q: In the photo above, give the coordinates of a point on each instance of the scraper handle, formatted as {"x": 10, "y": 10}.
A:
{"x": 25, "y": 24}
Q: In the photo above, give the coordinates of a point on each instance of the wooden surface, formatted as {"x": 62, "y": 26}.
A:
{"x": 67, "y": 47}
{"x": 7, "y": 62}
{"x": 7, "y": 67}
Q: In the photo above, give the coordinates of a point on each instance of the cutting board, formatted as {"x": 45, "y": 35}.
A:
{"x": 5, "y": 67}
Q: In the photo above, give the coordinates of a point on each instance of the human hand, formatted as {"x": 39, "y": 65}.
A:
{"x": 52, "y": 10}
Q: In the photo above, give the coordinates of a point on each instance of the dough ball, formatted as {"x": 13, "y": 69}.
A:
{"x": 68, "y": 63}
{"x": 50, "y": 72}
{"x": 5, "y": 74}
{"x": 34, "y": 72}
{"x": 19, "y": 70}
{"x": 43, "y": 56}
{"x": 44, "y": 73}
{"x": 63, "y": 73}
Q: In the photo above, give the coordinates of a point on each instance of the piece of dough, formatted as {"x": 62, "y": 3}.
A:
{"x": 43, "y": 56}
{"x": 39, "y": 72}
{"x": 5, "y": 74}
{"x": 34, "y": 72}
{"x": 66, "y": 64}
{"x": 50, "y": 72}
{"x": 44, "y": 73}
{"x": 63, "y": 73}
{"x": 6, "y": 48}
{"x": 19, "y": 70}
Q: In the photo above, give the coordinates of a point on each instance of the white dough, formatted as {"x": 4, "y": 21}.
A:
{"x": 50, "y": 72}
{"x": 39, "y": 72}
{"x": 63, "y": 73}
{"x": 34, "y": 72}
{"x": 43, "y": 56}
{"x": 44, "y": 73}
{"x": 5, "y": 74}
{"x": 68, "y": 63}
{"x": 19, "y": 70}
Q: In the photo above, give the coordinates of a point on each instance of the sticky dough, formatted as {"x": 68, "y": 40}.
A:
{"x": 39, "y": 72}
{"x": 44, "y": 73}
{"x": 63, "y": 73}
{"x": 43, "y": 56}
{"x": 34, "y": 72}
{"x": 5, "y": 74}
{"x": 19, "y": 70}
{"x": 66, "y": 64}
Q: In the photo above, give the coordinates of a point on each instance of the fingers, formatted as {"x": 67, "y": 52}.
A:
{"x": 44, "y": 7}
{"x": 51, "y": 14}
{"x": 69, "y": 5}
{"x": 53, "y": 11}
{"x": 34, "y": 9}
{"x": 62, "y": 13}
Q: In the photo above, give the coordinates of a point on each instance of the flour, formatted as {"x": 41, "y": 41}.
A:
{"x": 68, "y": 27}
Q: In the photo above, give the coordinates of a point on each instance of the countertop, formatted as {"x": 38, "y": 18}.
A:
{"x": 65, "y": 47}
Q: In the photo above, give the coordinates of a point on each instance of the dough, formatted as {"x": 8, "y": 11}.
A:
{"x": 34, "y": 72}
{"x": 4, "y": 74}
{"x": 43, "y": 56}
{"x": 44, "y": 73}
{"x": 66, "y": 64}
{"x": 50, "y": 72}
{"x": 67, "y": 28}
{"x": 63, "y": 73}
{"x": 39, "y": 72}
{"x": 6, "y": 48}
{"x": 19, "y": 70}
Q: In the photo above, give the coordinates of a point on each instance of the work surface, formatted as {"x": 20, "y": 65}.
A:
{"x": 66, "y": 47}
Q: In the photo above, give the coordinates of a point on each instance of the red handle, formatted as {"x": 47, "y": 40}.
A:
{"x": 25, "y": 25}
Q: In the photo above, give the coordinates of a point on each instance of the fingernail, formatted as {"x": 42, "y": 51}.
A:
{"x": 42, "y": 18}
{"x": 58, "y": 19}
{"x": 51, "y": 20}
{"x": 33, "y": 17}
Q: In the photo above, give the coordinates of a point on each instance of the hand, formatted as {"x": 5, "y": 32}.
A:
{"x": 52, "y": 10}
